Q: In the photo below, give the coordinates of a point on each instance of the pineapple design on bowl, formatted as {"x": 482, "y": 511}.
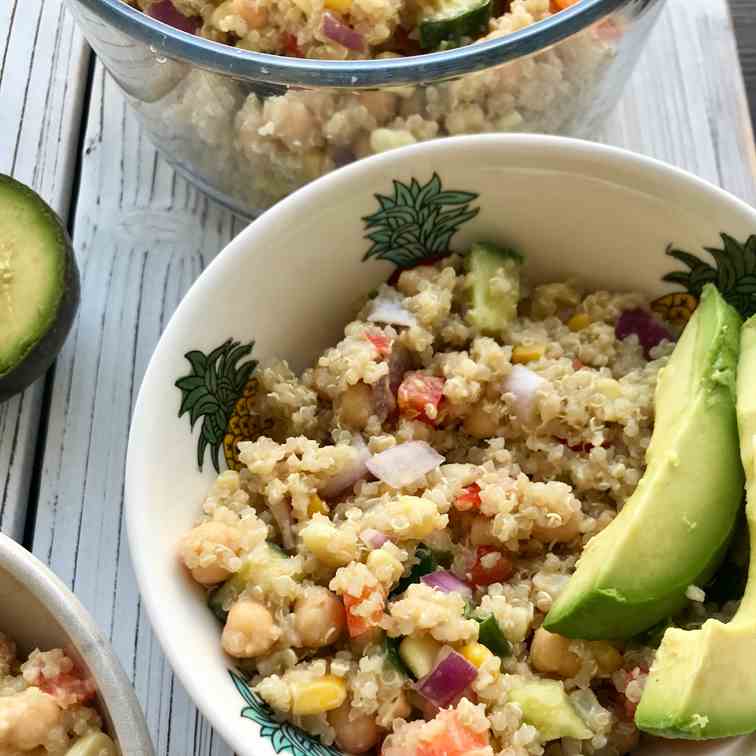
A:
{"x": 733, "y": 273}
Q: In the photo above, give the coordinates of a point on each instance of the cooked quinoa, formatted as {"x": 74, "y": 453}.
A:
{"x": 46, "y": 706}
{"x": 259, "y": 144}
{"x": 421, "y": 497}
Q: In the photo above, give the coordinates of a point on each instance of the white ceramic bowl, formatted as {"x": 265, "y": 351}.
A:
{"x": 38, "y": 611}
{"x": 293, "y": 278}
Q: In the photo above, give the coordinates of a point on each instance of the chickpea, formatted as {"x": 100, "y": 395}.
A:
{"x": 355, "y": 734}
{"x": 355, "y": 406}
{"x": 607, "y": 657}
{"x": 563, "y": 533}
{"x": 27, "y": 718}
{"x": 255, "y": 16}
{"x": 249, "y": 631}
{"x": 480, "y": 532}
{"x": 550, "y": 653}
{"x": 399, "y": 708}
{"x": 480, "y": 422}
{"x": 208, "y": 537}
{"x": 319, "y": 617}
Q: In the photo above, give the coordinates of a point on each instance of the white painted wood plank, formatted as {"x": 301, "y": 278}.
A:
{"x": 144, "y": 235}
{"x": 43, "y": 74}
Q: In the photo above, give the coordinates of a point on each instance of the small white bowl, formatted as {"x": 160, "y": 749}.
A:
{"x": 38, "y": 611}
{"x": 293, "y": 279}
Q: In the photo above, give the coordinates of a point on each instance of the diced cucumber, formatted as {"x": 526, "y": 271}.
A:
{"x": 546, "y": 706}
{"x": 453, "y": 21}
{"x": 490, "y": 635}
{"x": 266, "y": 562}
{"x": 391, "y": 646}
{"x": 419, "y": 653}
{"x": 493, "y": 307}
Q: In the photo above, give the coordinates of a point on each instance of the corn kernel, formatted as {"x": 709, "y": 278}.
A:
{"x": 340, "y": 6}
{"x": 579, "y": 321}
{"x": 476, "y": 653}
{"x": 522, "y": 354}
{"x": 317, "y": 506}
{"x": 317, "y": 696}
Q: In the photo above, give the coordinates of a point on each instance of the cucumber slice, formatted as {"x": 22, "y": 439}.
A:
{"x": 492, "y": 309}
{"x": 453, "y": 21}
{"x": 419, "y": 654}
{"x": 490, "y": 635}
{"x": 39, "y": 286}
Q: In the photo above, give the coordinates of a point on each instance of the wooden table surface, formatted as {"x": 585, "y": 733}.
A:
{"x": 142, "y": 235}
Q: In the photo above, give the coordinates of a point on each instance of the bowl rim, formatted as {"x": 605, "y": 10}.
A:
{"x": 226, "y": 60}
{"x": 113, "y": 686}
{"x": 610, "y": 158}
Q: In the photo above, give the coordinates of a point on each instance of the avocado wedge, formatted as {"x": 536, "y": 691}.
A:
{"x": 702, "y": 683}
{"x": 674, "y": 530}
{"x": 39, "y": 286}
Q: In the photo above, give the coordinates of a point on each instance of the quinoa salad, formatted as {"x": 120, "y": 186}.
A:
{"x": 408, "y": 509}
{"x": 258, "y": 144}
{"x": 47, "y": 706}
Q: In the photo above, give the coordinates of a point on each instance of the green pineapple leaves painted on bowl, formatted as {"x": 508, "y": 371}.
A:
{"x": 417, "y": 223}
{"x": 211, "y": 392}
{"x": 284, "y": 737}
{"x": 733, "y": 272}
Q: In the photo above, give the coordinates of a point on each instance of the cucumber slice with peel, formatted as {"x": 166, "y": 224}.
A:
{"x": 453, "y": 21}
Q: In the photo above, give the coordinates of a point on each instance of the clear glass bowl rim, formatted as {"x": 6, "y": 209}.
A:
{"x": 226, "y": 60}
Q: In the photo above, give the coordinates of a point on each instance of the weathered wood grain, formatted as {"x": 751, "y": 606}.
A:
{"x": 43, "y": 77}
{"x": 744, "y": 16}
{"x": 144, "y": 235}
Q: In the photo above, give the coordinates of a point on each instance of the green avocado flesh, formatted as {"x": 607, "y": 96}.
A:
{"x": 33, "y": 258}
{"x": 674, "y": 530}
{"x": 702, "y": 683}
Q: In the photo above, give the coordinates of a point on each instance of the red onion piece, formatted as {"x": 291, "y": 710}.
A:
{"x": 373, "y": 538}
{"x": 446, "y": 582}
{"x": 645, "y": 326}
{"x": 400, "y": 361}
{"x": 451, "y": 675}
{"x": 335, "y": 29}
{"x": 165, "y": 11}
{"x": 524, "y": 384}
{"x": 392, "y": 312}
{"x": 353, "y": 471}
{"x": 404, "y": 464}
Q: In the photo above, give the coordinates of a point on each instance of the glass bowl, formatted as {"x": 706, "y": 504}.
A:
{"x": 249, "y": 128}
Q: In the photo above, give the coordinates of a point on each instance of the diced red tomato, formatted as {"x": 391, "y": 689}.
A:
{"x": 68, "y": 689}
{"x": 419, "y": 397}
{"x": 486, "y": 571}
{"x": 577, "y": 364}
{"x": 357, "y": 624}
{"x": 558, "y": 5}
{"x": 291, "y": 46}
{"x": 455, "y": 739}
{"x": 469, "y": 498}
{"x": 381, "y": 342}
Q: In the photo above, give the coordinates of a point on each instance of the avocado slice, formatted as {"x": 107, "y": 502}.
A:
{"x": 674, "y": 530}
{"x": 493, "y": 308}
{"x": 39, "y": 286}
{"x": 701, "y": 684}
